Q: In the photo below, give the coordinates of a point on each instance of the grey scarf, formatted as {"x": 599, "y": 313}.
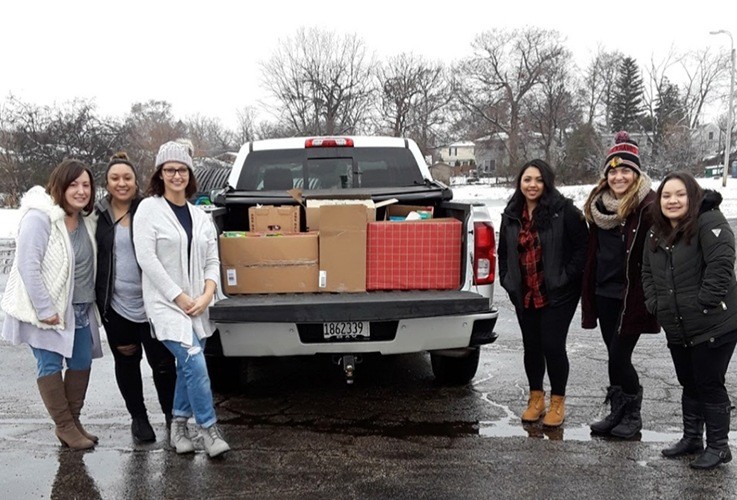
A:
{"x": 610, "y": 219}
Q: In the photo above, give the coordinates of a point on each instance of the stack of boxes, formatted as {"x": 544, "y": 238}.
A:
{"x": 343, "y": 250}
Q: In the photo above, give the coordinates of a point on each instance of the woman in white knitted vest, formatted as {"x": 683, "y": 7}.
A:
{"x": 49, "y": 299}
{"x": 176, "y": 247}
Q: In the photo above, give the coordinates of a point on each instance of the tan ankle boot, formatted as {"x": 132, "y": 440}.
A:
{"x": 535, "y": 407}
{"x": 556, "y": 413}
{"x": 52, "y": 392}
{"x": 75, "y": 387}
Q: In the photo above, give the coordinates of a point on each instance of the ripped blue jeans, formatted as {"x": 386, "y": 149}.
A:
{"x": 192, "y": 393}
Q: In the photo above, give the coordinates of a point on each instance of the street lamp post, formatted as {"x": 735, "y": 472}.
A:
{"x": 730, "y": 110}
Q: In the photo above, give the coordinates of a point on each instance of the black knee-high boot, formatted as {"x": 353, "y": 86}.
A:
{"x": 631, "y": 422}
{"x": 693, "y": 430}
{"x": 716, "y": 417}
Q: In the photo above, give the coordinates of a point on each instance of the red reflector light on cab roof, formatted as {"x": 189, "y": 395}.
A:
{"x": 329, "y": 142}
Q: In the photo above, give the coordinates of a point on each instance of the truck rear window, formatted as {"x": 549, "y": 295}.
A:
{"x": 328, "y": 168}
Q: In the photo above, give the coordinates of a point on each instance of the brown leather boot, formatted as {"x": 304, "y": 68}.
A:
{"x": 556, "y": 413}
{"x": 52, "y": 392}
{"x": 75, "y": 387}
{"x": 535, "y": 407}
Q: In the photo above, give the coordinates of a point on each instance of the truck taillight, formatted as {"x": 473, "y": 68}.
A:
{"x": 329, "y": 142}
{"x": 484, "y": 253}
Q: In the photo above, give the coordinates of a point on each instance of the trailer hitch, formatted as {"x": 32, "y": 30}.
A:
{"x": 348, "y": 362}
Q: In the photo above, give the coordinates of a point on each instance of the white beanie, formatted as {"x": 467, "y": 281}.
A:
{"x": 173, "y": 151}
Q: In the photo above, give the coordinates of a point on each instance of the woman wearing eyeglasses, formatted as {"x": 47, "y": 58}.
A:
{"x": 176, "y": 247}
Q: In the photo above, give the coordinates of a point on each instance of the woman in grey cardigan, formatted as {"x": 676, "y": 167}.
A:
{"x": 49, "y": 299}
{"x": 689, "y": 283}
{"x": 176, "y": 247}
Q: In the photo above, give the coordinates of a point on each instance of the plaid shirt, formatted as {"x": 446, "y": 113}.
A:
{"x": 531, "y": 265}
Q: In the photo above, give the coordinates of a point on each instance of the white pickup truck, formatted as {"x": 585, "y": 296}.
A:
{"x": 450, "y": 324}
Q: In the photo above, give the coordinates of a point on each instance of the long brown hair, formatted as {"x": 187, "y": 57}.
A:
{"x": 628, "y": 203}
{"x": 156, "y": 183}
{"x": 688, "y": 225}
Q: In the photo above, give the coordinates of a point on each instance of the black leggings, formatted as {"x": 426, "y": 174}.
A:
{"x": 620, "y": 347}
{"x": 544, "y": 333}
{"x": 126, "y": 338}
{"x": 701, "y": 369}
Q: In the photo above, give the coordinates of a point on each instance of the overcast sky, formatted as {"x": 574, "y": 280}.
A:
{"x": 203, "y": 56}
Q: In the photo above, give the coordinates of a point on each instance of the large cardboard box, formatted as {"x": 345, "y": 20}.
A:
{"x": 312, "y": 209}
{"x": 343, "y": 247}
{"x": 274, "y": 219}
{"x": 268, "y": 263}
{"x": 414, "y": 255}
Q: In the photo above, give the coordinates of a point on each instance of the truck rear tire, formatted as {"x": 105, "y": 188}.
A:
{"x": 452, "y": 370}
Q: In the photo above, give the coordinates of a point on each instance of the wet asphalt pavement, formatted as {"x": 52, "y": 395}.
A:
{"x": 298, "y": 431}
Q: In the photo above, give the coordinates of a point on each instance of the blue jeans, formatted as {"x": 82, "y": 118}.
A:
{"x": 49, "y": 362}
{"x": 192, "y": 393}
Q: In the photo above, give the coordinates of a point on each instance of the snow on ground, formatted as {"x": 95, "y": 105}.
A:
{"x": 495, "y": 197}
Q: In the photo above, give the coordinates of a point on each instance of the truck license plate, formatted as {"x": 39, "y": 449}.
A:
{"x": 346, "y": 330}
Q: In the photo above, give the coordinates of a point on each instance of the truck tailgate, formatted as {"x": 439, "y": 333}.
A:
{"x": 370, "y": 306}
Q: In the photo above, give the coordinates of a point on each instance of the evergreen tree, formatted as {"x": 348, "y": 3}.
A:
{"x": 627, "y": 105}
{"x": 669, "y": 109}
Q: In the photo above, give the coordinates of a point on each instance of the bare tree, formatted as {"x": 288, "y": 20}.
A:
{"x": 208, "y": 135}
{"x": 551, "y": 109}
{"x": 149, "y": 125}
{"x": 496, "y": 80}
{"x": 704, "y": 70}
{"x": 598, "y": 86}
{"x": 414, "y": 97}
{"x": 322, "y": 82}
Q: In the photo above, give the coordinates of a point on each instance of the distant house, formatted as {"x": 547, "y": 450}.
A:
{"x": 441, "y": 172}
{"x": 492, "y": 153}
{"x": 458, "y": 154}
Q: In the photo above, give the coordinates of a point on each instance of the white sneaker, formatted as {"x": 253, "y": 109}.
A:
{"x": 213, "y": 440}
{"x": 179, "y": 436}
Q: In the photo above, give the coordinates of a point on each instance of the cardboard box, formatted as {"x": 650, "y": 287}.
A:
{"x": 414, "y": 255}
{"x": 312, "y": 209}
{"x": 403, "y": 210}
{"x": 268, "y": 263}
{"x": 274, "y": 219}
{"x": 343, "y": 247}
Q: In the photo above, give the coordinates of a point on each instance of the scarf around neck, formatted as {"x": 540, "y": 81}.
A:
{"x": 604, "y": 208}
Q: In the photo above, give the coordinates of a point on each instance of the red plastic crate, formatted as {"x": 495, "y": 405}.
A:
{"x": 414, "y": 255}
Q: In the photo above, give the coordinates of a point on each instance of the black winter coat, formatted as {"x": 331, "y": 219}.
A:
{"x": 563, "y": 242}
{"x": 105, "y": 237}
{"x": 634, "y": 317}
{"x": 691, "y": 288}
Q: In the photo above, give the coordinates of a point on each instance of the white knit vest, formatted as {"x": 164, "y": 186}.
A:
{"x": 55, "y": 267}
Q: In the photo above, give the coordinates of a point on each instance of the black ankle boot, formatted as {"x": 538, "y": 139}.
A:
{"x": 631, "y": 422}
{"x": 693, "y": 430}
{"x": 717, "y": 450}
{"x": 614, "y": 398}
{"x": 142, "y": 430}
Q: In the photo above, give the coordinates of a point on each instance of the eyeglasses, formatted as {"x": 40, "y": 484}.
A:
{"x": 171, "y": 172}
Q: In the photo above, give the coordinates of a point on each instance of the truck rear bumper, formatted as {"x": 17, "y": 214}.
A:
{"x": 367, "y": 306}
{"x": 406, "y": 336}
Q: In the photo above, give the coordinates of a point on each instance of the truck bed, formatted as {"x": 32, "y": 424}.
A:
{"x": 368, "y": 306}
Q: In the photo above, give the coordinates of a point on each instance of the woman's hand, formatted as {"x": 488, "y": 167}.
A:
{"x": 185, "y": 302}
{"x": 53, "y": 320}
{"x": 200, "y": 304}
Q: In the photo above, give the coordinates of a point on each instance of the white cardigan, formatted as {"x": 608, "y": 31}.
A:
{"x": 161, "y": 250}
{"x": 41, "y": 285}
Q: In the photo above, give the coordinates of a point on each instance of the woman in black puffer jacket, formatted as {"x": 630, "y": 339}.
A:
{"x": 689, "y": 283}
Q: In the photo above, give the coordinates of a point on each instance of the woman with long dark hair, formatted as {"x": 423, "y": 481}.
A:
{"x": 542, "y": 248}
{"x": 120, "y": 300}
{"x": 689, "y": 283}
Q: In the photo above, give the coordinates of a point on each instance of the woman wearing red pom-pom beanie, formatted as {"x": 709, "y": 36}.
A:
{"x": 612, "y": 286}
